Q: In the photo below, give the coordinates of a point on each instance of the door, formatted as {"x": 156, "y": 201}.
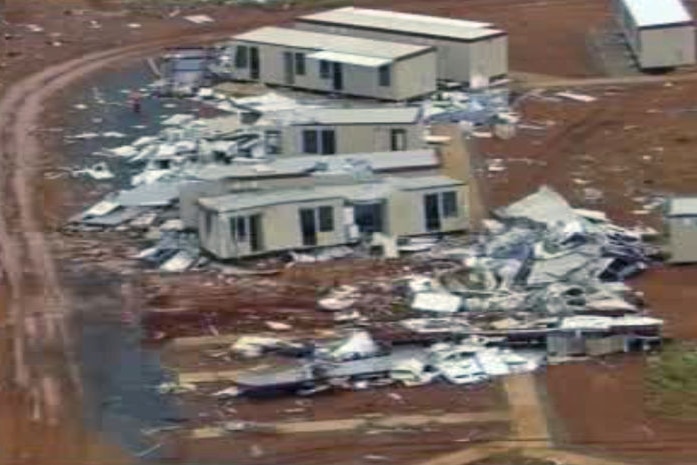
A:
{"x": 308, "y": 227}
{"x": 255, "y": 235}
{"x": 328, "y": 142}
{"x": 368, "y": 217}
{"x": 431, "y": 212}
{"x": 288, "y": 71}
{"x": 254, "y": 65}
{"x": 398, "y": 139}
{"x": 337, "y": 76}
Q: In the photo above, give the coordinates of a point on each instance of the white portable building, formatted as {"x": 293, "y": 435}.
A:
{"x": 471, "y": 52}
{"x": 334, "y": 63}
{"x": 660, "y": 33}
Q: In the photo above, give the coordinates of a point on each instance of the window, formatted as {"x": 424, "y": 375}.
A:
{"x": 241, "y": 229}
{"x": 273, "y": 142}
{"x": 398, "y": 139}
{"x": 384, "y": 78}
{"x": 241, "y": 56}
{"x": 326, "y": 219}
{"x": 310, "y": 142}
{"x": 209, "y": 222}
{"x": 449, "y": 204}
{"x": 300, "y": 64}
{"x": 325, "y": 70}
{"x": 319, "y": 141}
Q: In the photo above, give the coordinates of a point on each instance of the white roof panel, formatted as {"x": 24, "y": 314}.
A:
{"x": 330, "y": 42}
{"x": 350, "y": 59}
{"x": 682, "y": 206}
{"x": 648, "y": 13}
{"x": 405, "y": 23}
{"x": 378, "y": 115}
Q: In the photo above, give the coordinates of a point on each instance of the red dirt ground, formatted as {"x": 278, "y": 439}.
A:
{"x": 602, "y": 407}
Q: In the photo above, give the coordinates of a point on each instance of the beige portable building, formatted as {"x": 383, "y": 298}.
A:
{"x": 470, "y": 52}
{"x": 328, "y": 131}
{"x": 245, "y": 224}
{"x": 333, "y": 63}
{"x": 681, "y": 222}
{"x": 660, "y": 33}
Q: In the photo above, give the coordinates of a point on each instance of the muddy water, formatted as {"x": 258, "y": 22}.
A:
{"x": 120, "y": 377}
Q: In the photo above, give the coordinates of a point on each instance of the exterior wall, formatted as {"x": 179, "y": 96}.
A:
{"x": 355, "y": 138}
{"x": 456, "y": 61}
{"x": 280, "y": 225}
{"x": 667, "y": 47}
{"x": 405, "y": 213}
{"x": 682, "y": 239}
{"x": 357, "y": 80}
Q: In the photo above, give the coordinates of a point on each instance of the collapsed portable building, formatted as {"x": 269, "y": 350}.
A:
{"x": 471, "y": 52}
{"x": 327, "y": 131}
{"x": 301, "y": 171}
{"x": 333, "y": 63}
{"x": 252, "y": 223}
{"x": 660, "y": 33}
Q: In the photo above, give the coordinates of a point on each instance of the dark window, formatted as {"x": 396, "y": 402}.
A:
{"x": 384, "y": 78}
{"x": 310, "y": 142}
{"x": 273, "y": 142}
{"x": 328, "y": 142}
{"x": 449, "y": 200}
{"x": 398, "y": 139}
{"x": 325, "y": 70}
{"x": 241, "y": 57}
{"x": 255, "y": 237}
{"x": 300, "y": 64}
{"x": 326, "y": 219}
{"x": 241, "y": 228}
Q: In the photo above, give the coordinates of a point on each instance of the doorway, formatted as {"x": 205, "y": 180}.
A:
{"x": 337, "y": 76}
{"x": 254, "y": 65}
{"x": 432, "y": 212}
{"x": 369, "y": 217}
{"x": 288, "y": 71}
{"x": 308, "y": 227}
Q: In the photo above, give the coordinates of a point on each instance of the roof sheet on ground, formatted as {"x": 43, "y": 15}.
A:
{"x": 405, "y": 23}
{"x": 321, "y": 41}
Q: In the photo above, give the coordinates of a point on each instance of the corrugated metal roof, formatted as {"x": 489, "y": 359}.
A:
{"x": 682, "y": 206}
{"x": 405, "y": 23}
{"x": 380, "y": 115}
{"x": 358, "y": 192}
{"x": 289, "y": 166}
{"x": 321, "y": 41}
{"x": 350, "y": 59}
{"x": 657, "y": 12}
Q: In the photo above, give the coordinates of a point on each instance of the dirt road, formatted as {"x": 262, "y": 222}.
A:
{"x": 44, "y": 385}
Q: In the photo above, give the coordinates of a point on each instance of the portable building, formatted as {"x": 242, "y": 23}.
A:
{"x": 660, "y": 33}
{"x": 292, "y": 172}
{"x": 469, "y": 52}
{"x": 252, "y": 223}
{"x": 333, "y": 63}
{"x": 681, "y": 226}
{"x": 328, "y": 131}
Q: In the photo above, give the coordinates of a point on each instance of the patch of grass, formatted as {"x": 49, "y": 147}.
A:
{"x": 671, "y": 381}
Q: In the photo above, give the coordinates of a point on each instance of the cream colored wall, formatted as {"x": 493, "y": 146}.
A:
{"x": 667, "y": 47}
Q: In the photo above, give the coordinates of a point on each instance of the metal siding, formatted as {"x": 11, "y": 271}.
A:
{"x": 682, "y": 241}
{"x": 415, "y": 76}
{"x": 674, "y": 46}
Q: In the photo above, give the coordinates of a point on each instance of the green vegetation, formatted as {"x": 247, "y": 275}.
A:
{"x": 672, "y": 381}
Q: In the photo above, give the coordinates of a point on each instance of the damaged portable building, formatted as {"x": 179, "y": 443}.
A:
{"x": 328, "y": 131}
{"x": 332, "y": 63}
{"x": 300, "y": 171}
{"x": 252, "y": 223}
{"x": 470, "y": 52}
